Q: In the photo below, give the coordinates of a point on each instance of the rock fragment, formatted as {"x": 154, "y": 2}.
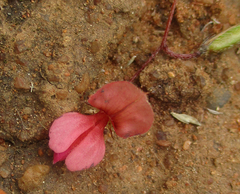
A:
{"x": 33, "y": 177}
{"x": 218, "y": 98}
{"x": 163, "y": 143}
{"x": 21, "y": 83}
{"x": 186, "y": 144}
{"x": 84, "y": 84}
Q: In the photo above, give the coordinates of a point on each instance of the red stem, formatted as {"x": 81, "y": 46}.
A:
{"x": 164, "y": 46}
{"x": 146, "y": 63}
{"x": 164, "y": 40}
{"x": 180, "y": 56}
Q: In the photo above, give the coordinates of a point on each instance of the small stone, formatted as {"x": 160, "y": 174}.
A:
{"x": 194, "y": 137}
{"x": 33, "y": 177}
{"x": 218, "y": 98}
{"x": 5, "y": 171}
{"x": 25, "y": 117}
{"x": 225, "y": 74}
{"x": 186, "y": 145}
{"x": 189, "y": 65}
{"x": 169, "y": 122}
{"x": 21, "y": 83}
{"x": 139, "y": 169}
{"x": 200, "y": 81}
{"x": 237, "y": 86}
{"x": 63, "y": 59}
{"x": 95, "y": 47}
{"x": 53, "y": 78}
{"x": 20, "y": 46}
{"x": 163, "y": 143}
{"x": 21, "y": 62}
{"x": 103, "y": 188}
{"x": 210, "y": 181}
{"x": 171, "y": 74}
{"x": 51, "y": 67}
{"x": 232, "y": 19}
{"x": 84, "y": 84}
{"x": 67, "y": 74}
{"x": 27, "y": 111}
{"x": 161, "y": 135}
{"x": 62, "y": 95}
{"x": 40, "y": 152}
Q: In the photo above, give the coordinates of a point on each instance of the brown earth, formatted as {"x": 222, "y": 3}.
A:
{"x": 54, "y": 54}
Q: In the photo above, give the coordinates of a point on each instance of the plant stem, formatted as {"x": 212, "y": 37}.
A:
{"x": 165, "y": 48}
{"x": 180, "y": 56}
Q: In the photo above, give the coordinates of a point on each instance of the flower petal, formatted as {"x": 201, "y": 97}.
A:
{"x": 127, "y": 106}
{"x": 60, "y": 156}
{"x": 115, "y": 96}
{"x": 90, "y": 151}
{"x": 66, "y": 129}
{"x": 135, "y": 119}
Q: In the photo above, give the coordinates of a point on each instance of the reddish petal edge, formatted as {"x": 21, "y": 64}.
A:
{"x": 60, "y": 156}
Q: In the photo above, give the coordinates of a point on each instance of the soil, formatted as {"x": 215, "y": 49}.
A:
{"x": 54, "y": 54}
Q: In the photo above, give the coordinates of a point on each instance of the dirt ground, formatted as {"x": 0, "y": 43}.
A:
{"x": 54, "y": 54}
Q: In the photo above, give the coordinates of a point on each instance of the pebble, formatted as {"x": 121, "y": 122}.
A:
{"x": 169, "y": 122}
{"x": 171, "y": 74}
{"x": 40, "y": 152}
{"x": 210, "y": 181}
{"x": 161, "y": 135}
{"x": 33, "y": 177}
{"x": 237, "y": 86}
{"x": 189, "y": 65}
{"x": 21, "y": 83}
{"x": 5, "y": 171}
{"x": 63, "y": 59}
{"x": 163, "y": 143}
{"x": 232, "y": 20}
{"x": 21, "y": 62}
{"x": 53, "y": 78}
{"x": 186, "y": 144}
{"x": 25, "y": 117}
{"x": 84, "y": 84}
{"x": 194, "y": 137}
{"x": 95, "y": 47}
{"x": 103, "y": 188}
{"x": 27, "y": 111}
{"x": 20, "y": 46}
{"x": 62, "y": 95}
{"x": 218, "y": 98}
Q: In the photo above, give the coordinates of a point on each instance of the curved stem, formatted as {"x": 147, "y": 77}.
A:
{"x": 181, "y": 56}
{"x": 163, "y": 44}
{"x": 165, "y": 48}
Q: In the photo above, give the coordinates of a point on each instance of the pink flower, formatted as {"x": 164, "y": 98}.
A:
{"x": 78, "y": 139}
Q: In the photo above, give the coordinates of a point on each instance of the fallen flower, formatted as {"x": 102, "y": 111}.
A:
{"x": 78, "y": 139}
